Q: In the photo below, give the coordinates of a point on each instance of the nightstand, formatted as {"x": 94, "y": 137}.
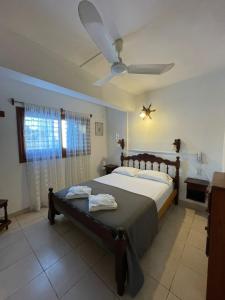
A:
{"x": 197, "y": 189}
{"x": 109, "y": 168}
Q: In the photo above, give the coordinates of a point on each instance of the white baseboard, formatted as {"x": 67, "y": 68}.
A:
{"x": 202, "y": 207}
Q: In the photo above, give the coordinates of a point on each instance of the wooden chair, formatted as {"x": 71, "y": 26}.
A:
{"x": 4, "y": 222}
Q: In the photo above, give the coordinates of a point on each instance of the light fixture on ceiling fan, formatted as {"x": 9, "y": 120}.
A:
{"x": 92, "y": 22}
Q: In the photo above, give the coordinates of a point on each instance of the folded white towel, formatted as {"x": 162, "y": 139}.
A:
{"x": 78, "y": 191}
{"x": 70, "y": 195}
{"x": 101, "y": 202}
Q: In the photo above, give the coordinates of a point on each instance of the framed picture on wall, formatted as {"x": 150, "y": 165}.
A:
{"x": 99, "y": 128}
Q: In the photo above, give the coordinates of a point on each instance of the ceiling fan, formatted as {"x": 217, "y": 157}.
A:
{"x": 92, "y": 22}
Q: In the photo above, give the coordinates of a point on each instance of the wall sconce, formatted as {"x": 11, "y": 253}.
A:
{"x": 146, "y": 112}
{"x": 177, "y": 144}
{"x": 121, "y": 142}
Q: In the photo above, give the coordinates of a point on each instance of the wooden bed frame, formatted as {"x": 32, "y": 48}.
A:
{"x": 116, "y": 240}
{"x": 150, "y": 160}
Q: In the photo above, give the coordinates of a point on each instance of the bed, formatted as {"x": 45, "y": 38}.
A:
{"x": 141, "y": 203}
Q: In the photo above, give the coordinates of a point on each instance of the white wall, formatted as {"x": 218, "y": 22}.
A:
{"x": 192, "y": 110}
{"x": 116, "y": 124}
{"x": 223, "y": 159}
{"x": 12, "y": 173}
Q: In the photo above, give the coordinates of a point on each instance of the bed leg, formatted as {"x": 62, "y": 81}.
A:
{"x": 51, "y": 209}
{"x": 120, "y": 261}
{"x": 177, "y": 179}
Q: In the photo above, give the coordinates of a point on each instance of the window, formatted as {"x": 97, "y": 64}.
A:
{"x": 39, "y": 134}
{"x": 34, "y": 132}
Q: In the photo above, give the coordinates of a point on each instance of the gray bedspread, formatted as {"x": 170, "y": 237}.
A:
{"x": 135, "y": 213}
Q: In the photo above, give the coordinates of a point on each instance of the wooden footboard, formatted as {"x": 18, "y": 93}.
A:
{"x": 116, "y": 240}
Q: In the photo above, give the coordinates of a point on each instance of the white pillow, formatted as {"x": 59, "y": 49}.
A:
{"x": 129, "y": 171}
{"x": 155, "y": 175}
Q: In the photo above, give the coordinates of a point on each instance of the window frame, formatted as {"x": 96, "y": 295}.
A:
{"x": 63, "y": 119}
{"x": 20, "y": 134}
{"x": 20, "y": 114}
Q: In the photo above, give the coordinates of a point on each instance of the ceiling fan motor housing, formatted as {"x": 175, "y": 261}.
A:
{"x": 119, "y": 68}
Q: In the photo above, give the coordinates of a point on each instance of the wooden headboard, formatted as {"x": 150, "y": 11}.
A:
{"x": 146, "y": 158}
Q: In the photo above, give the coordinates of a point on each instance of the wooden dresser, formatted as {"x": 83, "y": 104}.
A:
{"x": 215, "y": 248}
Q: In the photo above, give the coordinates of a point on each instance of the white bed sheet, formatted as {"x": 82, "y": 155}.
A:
{"x": 158, "y": 191}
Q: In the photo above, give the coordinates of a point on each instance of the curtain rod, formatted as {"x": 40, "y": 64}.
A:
{"x": 13, "y": 102}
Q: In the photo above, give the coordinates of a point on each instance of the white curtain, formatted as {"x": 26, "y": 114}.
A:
{"x": 78, "y": 149}
{"x": 43, "y": 147}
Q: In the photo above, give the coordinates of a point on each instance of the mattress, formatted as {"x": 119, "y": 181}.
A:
{"x": 155, "y": 190}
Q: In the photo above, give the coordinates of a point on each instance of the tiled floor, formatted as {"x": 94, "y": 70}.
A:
{"x": 43, "y": 262}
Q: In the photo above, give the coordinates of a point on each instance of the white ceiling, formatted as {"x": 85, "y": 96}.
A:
{"x": 190, "y": 33}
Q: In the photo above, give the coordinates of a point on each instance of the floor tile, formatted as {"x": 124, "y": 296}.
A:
{"x": 152, "y": 289}
{"x": 32, "y": 222}
{"x": 162, "y": 260}
{"x": 62, "y": 225}
{"x": 178, "y": 233}
{"x": 8, "y": 238}
{"x": 197, "y": 239}
{"x": 105, "y": 269}
{"x": 195, "y": 259}
{"x": 44, "y": 212}
{"x": 179, "y": 212}
{"x": 163, "y": 240}
{"x": 75, "y": 237}
{"x": 172, "y": 297}
{"x": 89, "y": 287}
{"x": 188, "y": 284}
{"x": 163, "y": 272}
{"x": 179, "y": 216}
{"x": 29, "y": 217}
{"x": 47, "y": 244}
{"x": 14, "y": 225}
{"x": 199, "y": 223}
{"x": 66, "y": 272}
{"x": 14, "y": 253}
{"x": 18, "y": 275}
{"x": 78, "y": 268}
{"x": 50, "y": 252}
{"x": 90, "y": 251}
{"x": 38, "y": 289}
{"x": 40, "y": 233}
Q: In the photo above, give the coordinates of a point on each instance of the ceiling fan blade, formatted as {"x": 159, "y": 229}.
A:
{"x": 103, "y": 81}
{"x": 155, "y": 69}
{"x": 92, "y": 21}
